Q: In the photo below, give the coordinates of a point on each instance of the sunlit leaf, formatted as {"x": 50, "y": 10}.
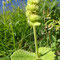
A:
{"x": 23, "y": 55}
{"x": 47, "y": 53}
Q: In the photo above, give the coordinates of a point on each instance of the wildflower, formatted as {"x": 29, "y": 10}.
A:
{"x": 32, "y": 11}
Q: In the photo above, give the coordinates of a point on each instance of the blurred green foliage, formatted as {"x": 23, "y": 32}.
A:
{"x": 16, "y": 31}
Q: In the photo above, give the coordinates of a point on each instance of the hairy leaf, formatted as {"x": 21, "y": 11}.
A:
{"x": 46, "y": 53}
{"x": 23, "y": 55}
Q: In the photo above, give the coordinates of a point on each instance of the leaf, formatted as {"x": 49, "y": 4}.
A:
{"x": 51, "y": 25}
{"x": 43, "y": 50}
{"x": 58, "y": 57}
{"x": 23, "y": 55}
{"x": 4, "y": 58}
{"x": 58, "y": 40}
{"x": 47, "y": 54}
{"x": 57, "y": 27}
{"x": 53, "y": 45}
{"x": 48, "y": 21}
{"x": 2, "y": 53}
{"x": 54, "y": 4}
{"x": 54, "y": 38}
{"x": 58, "y": 22}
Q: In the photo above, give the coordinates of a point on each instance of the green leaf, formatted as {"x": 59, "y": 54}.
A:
{"x": 58, "y": 40}
{"x": 48, "y": 21}
{"x": 57, "y": 27}
{"x": 46, "y": 53}
{"x": 4, "y": 58}
{"x": 23, "y": 55}
{"x": 43, "y": 50}
{"x": 58, "y": 57}
{"x": 54, "y": 38}
{"x": 54, "y": 4}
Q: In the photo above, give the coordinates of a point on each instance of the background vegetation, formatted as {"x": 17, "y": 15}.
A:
{"x": 15, "y": 33}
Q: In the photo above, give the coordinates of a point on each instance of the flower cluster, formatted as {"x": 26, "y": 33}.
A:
{"x": 32, "y": 11}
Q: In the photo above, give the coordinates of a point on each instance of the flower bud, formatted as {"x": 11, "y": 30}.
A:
{"x": 34, "y": 18}
{"x": 28, "y": 13}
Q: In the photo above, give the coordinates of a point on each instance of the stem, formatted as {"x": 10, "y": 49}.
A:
{"x": 12, "y": 33}
{"x": 4, "y": 24}
{"x": 49, "y": 38}
{"x": 35, "y": 38}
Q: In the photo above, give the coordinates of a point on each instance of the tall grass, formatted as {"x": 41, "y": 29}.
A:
{"x": 13, "y": 30}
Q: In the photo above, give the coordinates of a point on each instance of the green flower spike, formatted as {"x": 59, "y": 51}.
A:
{"x": 32, "y": 11}
{"x": 28, "y": 13}
{"x": 33, "y": 1}
{"x": 32, "y": 7}
{"x": 34, "y": 18}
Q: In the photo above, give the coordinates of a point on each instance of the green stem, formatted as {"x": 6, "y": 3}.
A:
{"x": 4, "y": 23}
{"x": 35, "y": 38}
{"x": 12, "y": 33}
